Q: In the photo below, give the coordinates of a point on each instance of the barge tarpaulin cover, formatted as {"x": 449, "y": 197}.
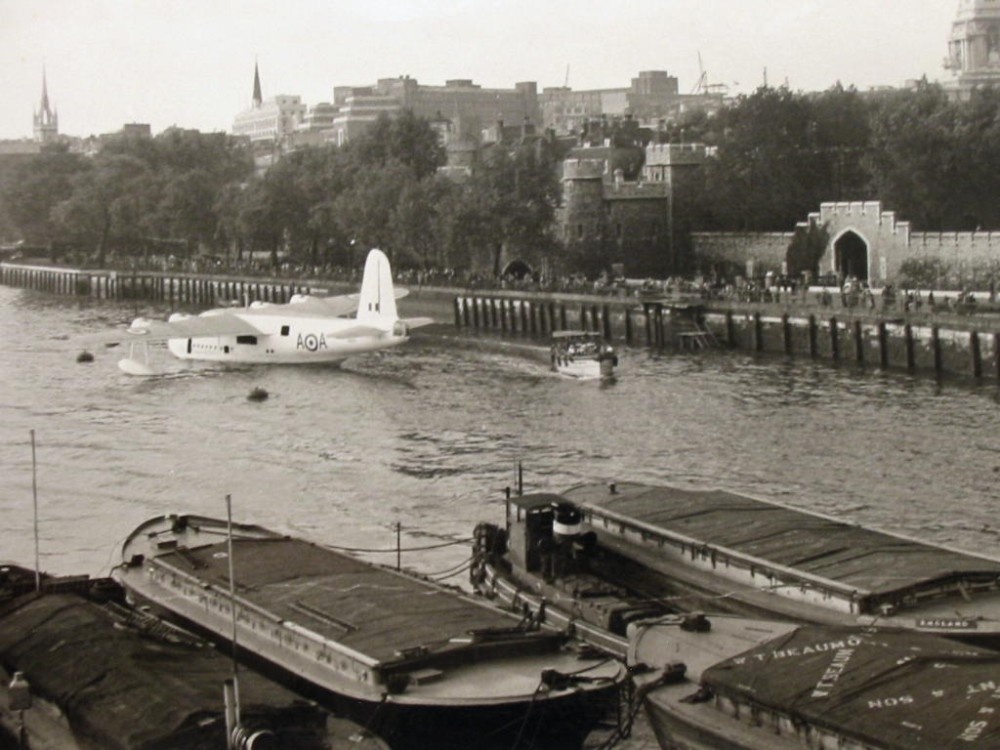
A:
{"x": 122, "y": 690}
{"x": 885, "y": 687}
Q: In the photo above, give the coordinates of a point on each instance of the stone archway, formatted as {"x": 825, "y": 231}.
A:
{"x": 850, "y": 253}
{"x": 517, "y": 268}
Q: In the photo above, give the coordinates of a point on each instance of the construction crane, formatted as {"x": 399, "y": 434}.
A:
{"x": 703, "y": 86}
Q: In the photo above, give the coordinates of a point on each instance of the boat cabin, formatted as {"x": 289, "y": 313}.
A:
{"x": 582, "y": 354}
{"x": 545, "y": 535}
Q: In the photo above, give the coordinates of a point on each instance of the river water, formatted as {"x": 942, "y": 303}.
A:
{"x": 428, "y": 435}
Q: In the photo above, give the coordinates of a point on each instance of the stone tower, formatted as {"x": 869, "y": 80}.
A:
{"x": 46, "y": 119}
{"x": 974, "y": 47}
{"x": 583, "y": 215}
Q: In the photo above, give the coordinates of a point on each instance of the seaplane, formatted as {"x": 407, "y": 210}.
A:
{"x": 306, "y": 329}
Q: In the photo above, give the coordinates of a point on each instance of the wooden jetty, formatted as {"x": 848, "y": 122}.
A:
{"x": 942, "y": 341}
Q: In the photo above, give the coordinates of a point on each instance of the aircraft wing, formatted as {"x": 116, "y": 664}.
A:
{"x": 366, "y": 330}
{"x": 356, "y": 331}
{"x": 397, "y": 292}
{"x": 313, "y": 307}
{"x": 193, "y": 327}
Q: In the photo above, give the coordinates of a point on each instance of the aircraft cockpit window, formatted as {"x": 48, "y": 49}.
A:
{"x": 246, "y": 340}
{"x": 285, "y": 330}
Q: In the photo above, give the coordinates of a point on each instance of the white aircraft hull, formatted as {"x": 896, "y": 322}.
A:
{"x": 305, "y": 330}
{"x": 278, "y": 349}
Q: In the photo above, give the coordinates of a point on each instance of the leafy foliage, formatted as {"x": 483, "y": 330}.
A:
{"x": 806, "y": 249}
{"x": 923, "y": 273}
{"x": 775, "y": 156}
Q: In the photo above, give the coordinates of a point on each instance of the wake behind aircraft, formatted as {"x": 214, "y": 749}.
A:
{"x": 306, "y": 329}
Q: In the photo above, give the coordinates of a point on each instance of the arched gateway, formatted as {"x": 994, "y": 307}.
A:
{"x": 865, "y": 241}
{"x": 850, "y": 256}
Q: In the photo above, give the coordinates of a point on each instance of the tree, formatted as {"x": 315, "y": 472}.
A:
{"x": 508, "y": 206}
{"x": 806, "y": 249}
{"x": 35, "y": 187}
{"x": 403, "y": 139}
{"x": 913, "y": 157}
{"x": 107, "y": 205}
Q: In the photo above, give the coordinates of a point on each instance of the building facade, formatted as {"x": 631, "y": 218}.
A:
{"x": 638, "y": 225}
{"x": 974, "y": 47}
{"x": 469, "y": 106}
{"x": 653, "y": 96}
{"x": 269, "y": 121}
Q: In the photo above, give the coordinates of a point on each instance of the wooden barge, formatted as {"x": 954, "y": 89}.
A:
{"x": 728, "y": 681}
{"x": 421, "y": 664}
{"x": 814, "y": 686}
{"x": 714, "y": 550}
{"x": 94, "y": 675}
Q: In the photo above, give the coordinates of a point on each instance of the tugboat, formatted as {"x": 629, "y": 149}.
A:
{"x": 760, "y": 682}
{"x": 715, "y": 551}
{"x": 583, "y": 355}
{"x": 544, "y": 563}
{"x": 420, "y": 664}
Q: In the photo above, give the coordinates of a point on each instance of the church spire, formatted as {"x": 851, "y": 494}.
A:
{"x": 46, "y": 125}
{"x": 257, "y": 98}
{"x": 45, "y": 94}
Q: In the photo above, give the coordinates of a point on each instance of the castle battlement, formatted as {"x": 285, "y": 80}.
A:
{"x": 634, "y": 190}
{"x": 849, "y": 208}
{"x": 862, "y": 213}
{"x": 674, "y": 154}
{"x": 964, "y": 239}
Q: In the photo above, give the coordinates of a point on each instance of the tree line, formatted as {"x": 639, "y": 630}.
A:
{"x": 775, "y": 156}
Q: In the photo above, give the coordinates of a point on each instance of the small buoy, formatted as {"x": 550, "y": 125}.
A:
{"x": 84, "y": 356}
{"x": 257, "y": 394}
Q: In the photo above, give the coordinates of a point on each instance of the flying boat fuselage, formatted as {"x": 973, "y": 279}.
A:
{"x": 286, "y": 339}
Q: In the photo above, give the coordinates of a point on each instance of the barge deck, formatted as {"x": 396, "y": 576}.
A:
{"x": 758, "y": 557}
{"x": 415, "y": 660}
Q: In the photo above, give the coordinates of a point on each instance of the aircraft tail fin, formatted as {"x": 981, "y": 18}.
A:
{"x": 377, "y": 300}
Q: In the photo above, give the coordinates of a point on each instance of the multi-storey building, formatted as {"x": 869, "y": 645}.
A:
{"x": 974, "y": 47}
{"x": 652, "y": 97}
{"x": 269, "y": 121}
{"x": 469, "y": 106}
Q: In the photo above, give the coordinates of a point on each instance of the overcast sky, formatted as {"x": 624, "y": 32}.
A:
{"x": 190, "y": 62}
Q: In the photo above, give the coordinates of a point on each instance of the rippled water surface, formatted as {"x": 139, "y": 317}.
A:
{"x": 428, "y": 436}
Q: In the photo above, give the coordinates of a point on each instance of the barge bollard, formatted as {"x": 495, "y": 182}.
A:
{"x": 911, "y": 363}
{"x": 977, "y": 364}
{"x": 936, "y": 344}
{"x": 859, "y": 343}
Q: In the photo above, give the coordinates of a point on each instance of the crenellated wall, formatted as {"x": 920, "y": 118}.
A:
{"x": 884, "y": 241}
{"x": 754, "y": 252}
